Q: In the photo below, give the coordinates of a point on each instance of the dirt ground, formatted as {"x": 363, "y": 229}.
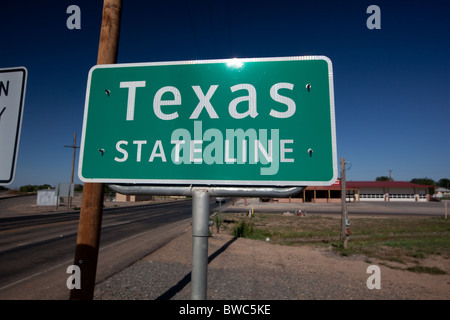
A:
{"x": 247, "y": 269}
{"x": 257, "y": 270}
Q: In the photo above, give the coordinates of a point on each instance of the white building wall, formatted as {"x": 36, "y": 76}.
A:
{"x": 392, "y": 194}
{"x": 371, "y": 194}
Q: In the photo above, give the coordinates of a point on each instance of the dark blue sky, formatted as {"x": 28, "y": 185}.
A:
{"x": 391, "y": 85}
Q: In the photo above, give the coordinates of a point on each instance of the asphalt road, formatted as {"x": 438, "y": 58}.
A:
{"x": 35, "y": 251}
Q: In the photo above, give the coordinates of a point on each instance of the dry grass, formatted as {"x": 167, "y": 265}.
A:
{"x": 403, "y": 240}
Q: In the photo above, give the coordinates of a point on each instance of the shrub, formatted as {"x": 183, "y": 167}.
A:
{"x": 243, "y": 229}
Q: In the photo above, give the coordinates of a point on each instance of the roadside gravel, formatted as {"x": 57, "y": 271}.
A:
{"x": 255, "y": 270}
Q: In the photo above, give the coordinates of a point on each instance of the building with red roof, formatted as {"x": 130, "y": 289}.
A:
{"x": 366, "y": 191}
{"x": 392, "y": 190}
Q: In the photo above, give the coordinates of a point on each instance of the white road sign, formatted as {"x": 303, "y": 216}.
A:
{"x": 12, "y": 95}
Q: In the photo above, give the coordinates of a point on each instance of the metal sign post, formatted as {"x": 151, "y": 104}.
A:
{"x": 200, "y": 218}
{"x": 200, "y": 233}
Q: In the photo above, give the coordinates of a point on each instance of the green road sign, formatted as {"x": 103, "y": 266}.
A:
{"x": 267, "y": 122}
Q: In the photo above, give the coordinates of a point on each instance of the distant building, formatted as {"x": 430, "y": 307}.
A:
{"x": 444, "y": 192}
{"x": 365, "y": 191}
{"x": 132, "y": 198}
{"x": 391, "y": 191}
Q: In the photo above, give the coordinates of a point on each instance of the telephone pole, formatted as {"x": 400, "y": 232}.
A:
{"x": 89, "y": 226}
{"x": 345, "y": 224}
{"x": 74, "y": 146}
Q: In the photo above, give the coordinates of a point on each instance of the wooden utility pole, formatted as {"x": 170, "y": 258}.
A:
{"x": 88, "y": 238}
{"x": 445, "y": 209}
{"x": 74, "y": 146}
{"x": 345, "y": 224}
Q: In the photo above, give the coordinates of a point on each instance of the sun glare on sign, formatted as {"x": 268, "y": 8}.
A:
{"x": 235, "y": 63}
